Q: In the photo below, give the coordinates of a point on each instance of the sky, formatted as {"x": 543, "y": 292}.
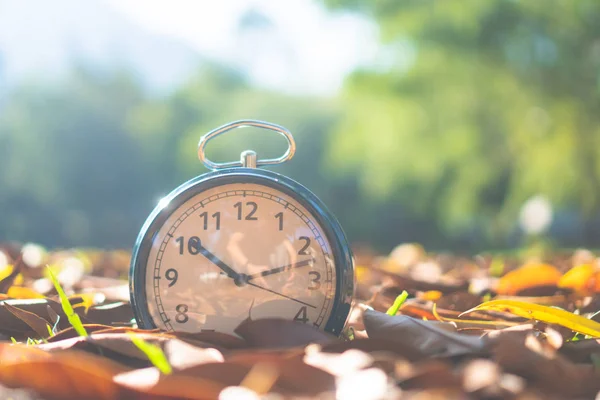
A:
{"x": 299, "y": 47}
{"x": 294, "y": 46}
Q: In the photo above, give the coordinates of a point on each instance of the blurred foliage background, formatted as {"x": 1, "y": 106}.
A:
{"x": 469, "y": 109}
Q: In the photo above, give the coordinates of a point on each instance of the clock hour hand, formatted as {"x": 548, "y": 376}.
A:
{"x": 222, "y": 266}
{"x": 280, "y": 269}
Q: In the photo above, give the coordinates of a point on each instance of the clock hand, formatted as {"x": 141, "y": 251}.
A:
{"x": 280, "y": 294}
{"x": 222, "y": 266}
{"x": 280, "y": 269}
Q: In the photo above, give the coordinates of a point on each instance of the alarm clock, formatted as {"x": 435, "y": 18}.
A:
{"x": 241, "y": 243}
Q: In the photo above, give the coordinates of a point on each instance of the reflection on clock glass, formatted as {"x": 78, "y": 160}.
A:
{"x": 237, "y": 251}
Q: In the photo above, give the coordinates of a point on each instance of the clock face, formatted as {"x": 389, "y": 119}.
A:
{"x": 239, "y": 251}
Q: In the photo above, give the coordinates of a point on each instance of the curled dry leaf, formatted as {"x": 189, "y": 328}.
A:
{"x": 37, "y": 324}
{"x": 13, "y": 325}
{"x": 431, "y": 338}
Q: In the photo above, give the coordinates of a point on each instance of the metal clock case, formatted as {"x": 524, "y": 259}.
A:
{"x": 148, "y": 253}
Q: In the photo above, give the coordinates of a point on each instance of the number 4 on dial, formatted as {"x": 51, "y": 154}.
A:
{"x": 301, "y": 315}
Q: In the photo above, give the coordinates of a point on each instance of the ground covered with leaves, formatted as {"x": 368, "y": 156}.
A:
{"x": 424, "y": 326}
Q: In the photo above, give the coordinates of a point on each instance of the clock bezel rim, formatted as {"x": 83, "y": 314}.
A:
{"x": 344, "y": 263}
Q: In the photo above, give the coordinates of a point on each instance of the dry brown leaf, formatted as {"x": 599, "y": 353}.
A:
{"x": 68, "y": 375}
{"x": 555, "y": 374}
{"x": 150, "y": 383}
{"x": 429, "y": 375}
{"x": 293, "y": 373}
{"x": 110, "y": 314}
{"x": 13, "y": 325}
{"x": 37, "y": 324}
{"x": 580, "y": 351}
{"x": 276, "y": 333}
{"x": 218, "y": 339}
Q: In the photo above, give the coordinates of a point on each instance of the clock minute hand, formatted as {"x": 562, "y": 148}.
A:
{"x": 280, "y": 294}
{"x": 280, "y": 269}
{"x": 222, "y": 266}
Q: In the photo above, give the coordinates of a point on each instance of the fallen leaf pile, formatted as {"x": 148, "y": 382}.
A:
{"x": 485, "y": 327}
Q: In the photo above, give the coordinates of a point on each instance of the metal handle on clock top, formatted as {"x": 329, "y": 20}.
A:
{"x": 248, "y": 157}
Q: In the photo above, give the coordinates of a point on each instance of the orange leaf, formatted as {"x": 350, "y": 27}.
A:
{"x": 584, "y": 279}
{"x": 431, "y": 295}
{"x": 82, "y": 300}
{"x": 19, "y": 292}
{"x": 528, "y": 276}
{"x": 362, "y": 273}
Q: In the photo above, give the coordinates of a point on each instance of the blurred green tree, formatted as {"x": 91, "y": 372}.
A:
{"x": 69, "y": 171}
{"x": 476, "y": 106}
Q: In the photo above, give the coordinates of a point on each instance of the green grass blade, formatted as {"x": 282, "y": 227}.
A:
{"x": 154, "y": 353}
{"x": 13, "y": 340}
{"x": 72, "y": 316}
{"x": 497, "y": 267}
{"x": 397, "y": 303}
